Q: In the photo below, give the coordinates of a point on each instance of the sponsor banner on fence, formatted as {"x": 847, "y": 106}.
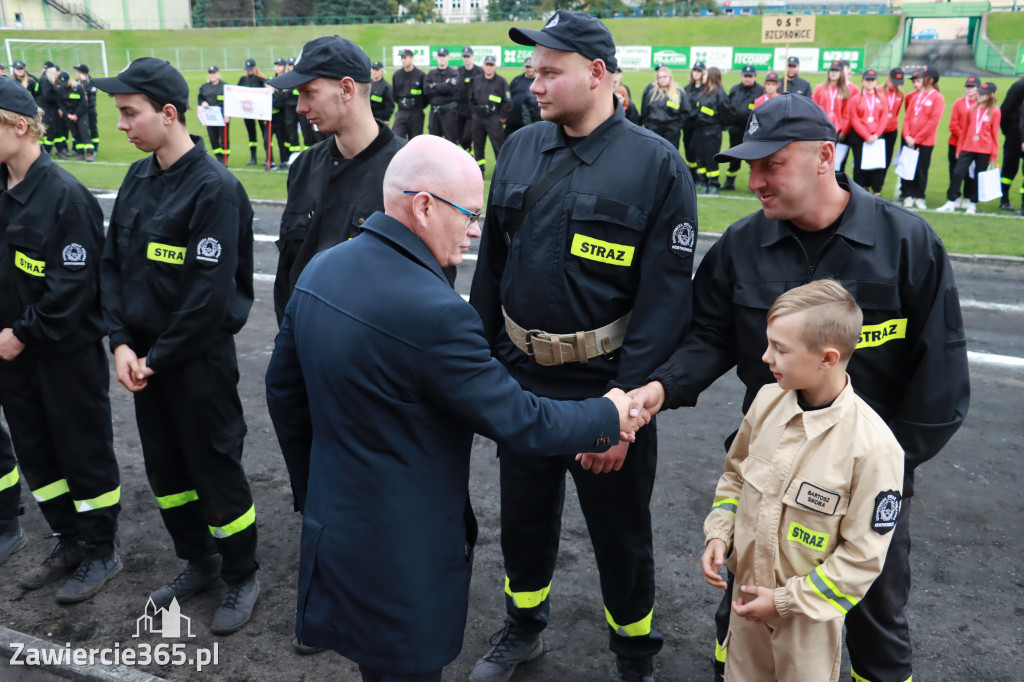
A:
{"x": 808, "y": 57}
{"x": 633, "y": 56}
{"x": 712, "y": 56}
{"x": 515, "y": 56}
{"x": 421, "y": 55}
{"x": 672, "y": 57}
{"x": 758, "y": 57}
{"x": 828, "y": 55}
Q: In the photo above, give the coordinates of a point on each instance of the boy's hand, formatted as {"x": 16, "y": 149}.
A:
{"x": 712, "y": 560}
{"x": 760, "y": 609}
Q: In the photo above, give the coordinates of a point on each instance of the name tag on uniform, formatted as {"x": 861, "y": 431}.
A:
{"x": 872, "y": 335}
{"x": 601, "y": 251}
{"x": 29, "y": 265}
{"x": 672, "y": 105}
{"x": 494, "y": 98}
{"x": 165, "y": 253}
{"x": 820, "y": 500}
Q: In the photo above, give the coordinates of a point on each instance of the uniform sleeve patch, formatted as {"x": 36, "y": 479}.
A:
{"x": 887, "y": 511}
{"x": 74, "y": 256}
{"x": 683, "y": 236}
{"x": 208, "y": 251}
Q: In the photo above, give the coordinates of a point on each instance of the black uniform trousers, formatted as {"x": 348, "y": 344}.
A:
{"x": 689, "y": 149}
{"x": 191, "y": 426}
{"x": 877, "y": 633}
{"x": 284, "y": 143}
{"x": 58, "y": 410}
{"x": 444, "y": 123}
{"x": 408, "y": 123}
{"x": 80, "y": 131}
{"x": 616, "y": 507}
{"x": 94, "y": 132}
{"x": 291, "y": 128}
{"x": 707, "y": 141}
{"x": 53, "y": 135}
{"x": 1011, "y": 163}
{"x": 486, "y": 126}
{"x": 735, "y": 138}
{"x": 958, "y": 175}
{"x": 915, "y": 188}
{"x": 10, "y": 482}
{"x": 220, "y": 139}
{"x": 467, "y": 126}
{"x": 890, "y": 145}
{"x": 250, "y": 129}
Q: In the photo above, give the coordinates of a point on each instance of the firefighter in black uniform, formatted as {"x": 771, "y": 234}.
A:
{"x": 253, "y": 78}
{"x": 666, "y": 107}
{"x": 491, "y": 103}
{"x": 741, "y": 99}
{"x": 27, "y": 80}
{"x": 382, "y": 101}
{"x": 176, "y": 281}
{"x": 711, "y": 109}
{"x": 468, "y": 72}
{"x": 48, "y": 98}
{"x": 440, "y": 89}
{"x": 524, "y": 103}
{"x": 796, "y": 85}
{"x": 74, "y": 109}
{"x": 53, "y": 369}
{"x": 911, "y": 362}
{"x": 211, "y": 94}
{"x": 338, "y": 183}
{"x": 82, "y": 74}
{"x": 597, "y": 268}
{"x": 698, "y": 75}
{"x": 291, "y": 119}
{"x": 277, "y": 121}
{"x": 408, "y": 83}
{"x": 1011, "y": 126}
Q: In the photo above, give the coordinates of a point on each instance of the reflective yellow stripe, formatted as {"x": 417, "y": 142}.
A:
{"x": 494, "y": 98}
{"x": 177, "y": 499}
{"x": 26, "y": 264}
{"x": 707, "y": 111}
{"x": 9, "y": 479}
{"x": 750, "y": 106}
{"x": 238, "y": 525}
{"x": 481, "y": 162}
{"x": 601, "y": 251}
{"x": 728, "y": 504}
{"x": 414, "y": 91}
{"x": 876, "y": 334}
{"x": 720, "y": 651}
{"x": 100, "y": 501}
{"x": 671, "y": 105}
{"x": 641, "y": 628}
{"x": 376, "y": 98}
{"x": 165, "y": 253}
{"x": 527, "y": 600}
{"x": 858, "y": 678}
{"x": 807, "y": 537}
{"x": 74, "y": 96}
{"x": 829, "y": 592}
{"x": 51, "y": 491}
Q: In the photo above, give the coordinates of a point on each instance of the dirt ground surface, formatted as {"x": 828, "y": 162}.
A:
{"x": 965, "y": 607}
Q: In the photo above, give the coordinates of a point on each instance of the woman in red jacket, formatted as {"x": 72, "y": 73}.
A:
{"x": 867, "y": 114}
{"x": 979, "y": 144}
{"x": 919, "y": 127}
{"x": 891, "y": 93}
{"x": 833, "y": 96}
{"x": 957, "y": 120}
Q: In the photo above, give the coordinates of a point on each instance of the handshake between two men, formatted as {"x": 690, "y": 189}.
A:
{"x": 635, "y": 411}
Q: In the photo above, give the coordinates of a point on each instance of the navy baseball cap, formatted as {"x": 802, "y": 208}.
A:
{"x": 572, "y": 32}
{"x": 64, "y": 77}
{"x": 870, "y": 74}
{"x": 699, "y": 66}
{"x": 152, "y": 77}
{"x": 793, "y": 61}
{"x": 17, "y": 99}
{"x": 406, "y": 53}
{"x": 836, "y": 65}
{"x": 931, "y": 72}
{"x": 250, "y": 63}
{"x": 18, "y": 64}
{"x": 280, "y": 61}
{"x": 467, "y": 51}
{"x": 442, "y": 52}
{"x": 748, "y": 70}
{"x": 896, "y": 76}
{"x": 489, "y": 59}
{"x": 987, "y": 88}
{"x": 331, "y": 57}
{"x": 377, "y": 65}
{"x": 47, "y": 64}
{"x": 82, "y": 68}
{"x": 771, "y": 78}
{"x": 779, "y": 121}
{"x": 972, "y": 82}
{"x": 213, "y": 69}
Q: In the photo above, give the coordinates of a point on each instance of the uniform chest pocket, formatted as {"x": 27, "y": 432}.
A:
{"x": 604, "y": 236}
{"x": 812, "y": 513}
{"x": 295, "y": 222}
{"x": 758, "y": 479}
{"x": 884, "y": 323}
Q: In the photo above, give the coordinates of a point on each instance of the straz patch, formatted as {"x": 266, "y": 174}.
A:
{"x": 208, "y": 250}
{"x": 872, "y": 335}
{"x": 820, "y": 500}
{"x": 887, "y": 510}
{"x": 165, "y": 253}
{"x": 683, "y": 237}
{"x": 603, "y": 252}
{"x": 25, "y": 264}
{"x": 808, "y": 538}
{"x": 74, "y": 256}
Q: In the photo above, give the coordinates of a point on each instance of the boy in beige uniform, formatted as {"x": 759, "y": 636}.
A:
{"x": 810, "y": 493}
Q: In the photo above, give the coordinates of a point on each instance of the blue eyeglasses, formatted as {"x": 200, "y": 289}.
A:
{"x": 473, "y": 217}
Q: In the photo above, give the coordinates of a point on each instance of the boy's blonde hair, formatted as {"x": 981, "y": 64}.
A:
{"x": 36, "y": 128}
{"x": 834, "y": 318}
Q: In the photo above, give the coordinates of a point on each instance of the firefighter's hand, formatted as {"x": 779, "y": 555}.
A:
{"x": 760, "y": 609}
{"x": 711, "y": 561}
{"x": 604, "y": 462}
{"x": 647, "y": 399}
{"x": 10, "y": 346}
{"x": 126, "y": 362}
{"x": 205, "y": 105}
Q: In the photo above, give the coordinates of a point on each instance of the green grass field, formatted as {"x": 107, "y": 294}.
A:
{"x": 991, "y": 231}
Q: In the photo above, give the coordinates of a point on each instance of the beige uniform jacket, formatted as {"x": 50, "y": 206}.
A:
{"x": 808, "y": 501}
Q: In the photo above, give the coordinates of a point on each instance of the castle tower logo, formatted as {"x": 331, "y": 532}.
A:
{"x": 168, "y": 622}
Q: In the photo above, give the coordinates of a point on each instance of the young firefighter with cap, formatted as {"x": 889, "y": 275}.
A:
{"x": 468, "y": 73}
{"x": 583, "y": 284}
{"x": 795, "y": 85}
{"x": 278, "y": 121}
{"x": 491, "y": 102}
{"x": 177, "y": 286}
{"x": 335, "y": 185}
{"x": 910, "y": 365}
{"x": 742, "y": 98}
{"x": 254, "y": 78}
{"x": 440, "y": 89}
{"x": 771, "y": 90}
{"x": 382, "y": 100}
{"x": 82, "y": 74}
{"x": 53, "y": 369}
{"x": 211, "y": 94}
{"x": 408, "y": 86}
{"x": 74, "y": 108}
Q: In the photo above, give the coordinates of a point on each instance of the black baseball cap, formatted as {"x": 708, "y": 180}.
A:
{"x": 931, "y": 72}
{"x": 17, "y": 99}
{"x": 213, "y": 69}
{"x": 47, "y": 64}
{"x": 250, "y": 64}
{"x": 83, "y": 68}
{"x": 331, "y": 57}
{"x": 406, "y": 53}
{"x": 528, "y": 61}
{"x": 467, "y": 51}
{"x": 915, "y": 75}
{"x": 291, "y": 61}
{"x": 280, "y": 61}
{"x": 377, "y": 65}
{"x": 748, "y": 70}
{"x": 777, "y": 122}
{"x": 870, "y": 74}
{"x": 152, "y": 77}
{"x": 793, "y": 61}
{"x": 972, "y": 82}
{"x": 836, "y": 65}
{"x": 489, "y": 59}
{"x": 896, "y": 76}
{"x": 572, "y": 32}
{"x": 442, "y": 52}
{"x": 18, "y": 65}
{"x": 772, "y": 78}
{"x": 698, "y": 66}
{"x": 64, "y": 77}
{"x": 987, "y": 88}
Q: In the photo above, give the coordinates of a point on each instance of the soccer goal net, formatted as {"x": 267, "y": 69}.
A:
{"x": 66, "y": 54}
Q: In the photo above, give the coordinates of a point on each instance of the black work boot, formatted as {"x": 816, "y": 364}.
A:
{"x": 236, "y": 609}
{"x": 252, "y": 161}
{"x": 510, "y": 647}
{"x": 635, "y": 669}
{"x": 713, "y": 189}
{"x": 65, "y": 558}
{"x": 199, "y": 575}
{"x": 1005, "y": 205}
{"x": 98, "y": 567}
{"x": 730, "y": 183}
{"x": 12, "y": 538}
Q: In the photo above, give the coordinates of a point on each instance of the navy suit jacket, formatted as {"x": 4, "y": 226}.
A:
{"x": 379, "y": 379}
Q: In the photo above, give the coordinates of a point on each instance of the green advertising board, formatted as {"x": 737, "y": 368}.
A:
{"x": 672, "y": 57}
{"x": 829, "y": 55}
{"x": 514, "y": 56}
{"x": 758, "y": 57}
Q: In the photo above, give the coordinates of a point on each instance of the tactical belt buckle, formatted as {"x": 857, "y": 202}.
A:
{"x": 530, "y": 336}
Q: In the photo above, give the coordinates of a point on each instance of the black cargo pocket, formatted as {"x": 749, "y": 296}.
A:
{"x": 295, "y": 224}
